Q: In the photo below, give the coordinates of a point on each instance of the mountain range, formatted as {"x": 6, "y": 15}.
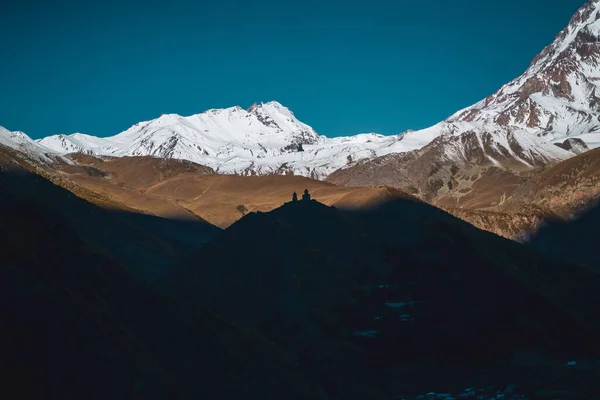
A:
{"x": 265, "y": 139}
{"x": 546, "y": 115}
{"x": 491, "y": 158}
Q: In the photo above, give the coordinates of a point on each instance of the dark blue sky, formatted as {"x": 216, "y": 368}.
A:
{"x": 343, "y": 67}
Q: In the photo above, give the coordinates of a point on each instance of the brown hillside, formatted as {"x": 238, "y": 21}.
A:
{"x": 216, "y": 197}
{"x": 517, "y": 225}
{"x": 551, "y": 193}
{"x": 139, "y": 172}
{"x": 510, "y": 202}
{"x": 567, "y": 188}
{"x": 554, "y": 192}
{"x": 181, "y": 189}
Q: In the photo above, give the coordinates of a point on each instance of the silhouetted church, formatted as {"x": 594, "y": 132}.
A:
{"x": 305, "y": 196}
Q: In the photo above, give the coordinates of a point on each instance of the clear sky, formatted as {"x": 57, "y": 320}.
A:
{"x": 344, "y": 67}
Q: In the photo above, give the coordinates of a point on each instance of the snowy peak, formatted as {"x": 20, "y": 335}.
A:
{"x": 266, "y": 138}
{"x": 275, "y": 115}
{"x": 74, "y": 143}
{"x": 22, "y": 143}
{"x": 558, "y": 97}
{"x": 547, "y": 115}
{"x": 582, "y": 28}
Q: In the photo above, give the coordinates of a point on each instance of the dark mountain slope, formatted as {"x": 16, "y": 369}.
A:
{"x": 76, "y": 325}
{"x": 353, "y": 294}
{"x": 574, "y": 240}
{"x": 145, "y": 244}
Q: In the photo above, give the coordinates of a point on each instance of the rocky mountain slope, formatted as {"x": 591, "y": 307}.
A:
{"x": 560, "y": 192}
{"x": 519, "y": 224}
{"x": 569, "y": 188}
{"x": 554, "y": 102}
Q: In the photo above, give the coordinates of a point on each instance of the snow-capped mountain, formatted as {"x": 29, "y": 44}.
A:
{"x": 31, "y": 149}
{"x": 557, "y": 98}
{"x": 548, "y": 114}
{"x": 267, "y": 138}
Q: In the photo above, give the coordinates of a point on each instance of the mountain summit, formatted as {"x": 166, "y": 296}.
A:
{"x": 556, "y": 99}
{"x": 558, "y": 96}
{"x": 29, "y": 148}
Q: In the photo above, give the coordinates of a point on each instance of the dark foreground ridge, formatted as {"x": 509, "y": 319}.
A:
{"x": 384, "y": 300}
{"x": 576, "y": 240}
{"x": 80, "y": 325}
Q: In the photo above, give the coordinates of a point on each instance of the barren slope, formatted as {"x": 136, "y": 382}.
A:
{"x": 181, "y": 189}
{"x": 560, "y": 191}
{"x": 567, "y": 188}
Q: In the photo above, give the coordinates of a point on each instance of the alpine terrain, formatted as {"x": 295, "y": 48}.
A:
{"x": 546, "y": 115}
{"x": 265, "y": 139}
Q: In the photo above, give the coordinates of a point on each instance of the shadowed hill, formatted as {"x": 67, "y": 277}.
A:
{"x": 77, "y": 325}
{"x": 357, "y": 294}
{"x": 216, "y": 197}
{"x": 574, "y": 240}
{"x": 146, "y": 244}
